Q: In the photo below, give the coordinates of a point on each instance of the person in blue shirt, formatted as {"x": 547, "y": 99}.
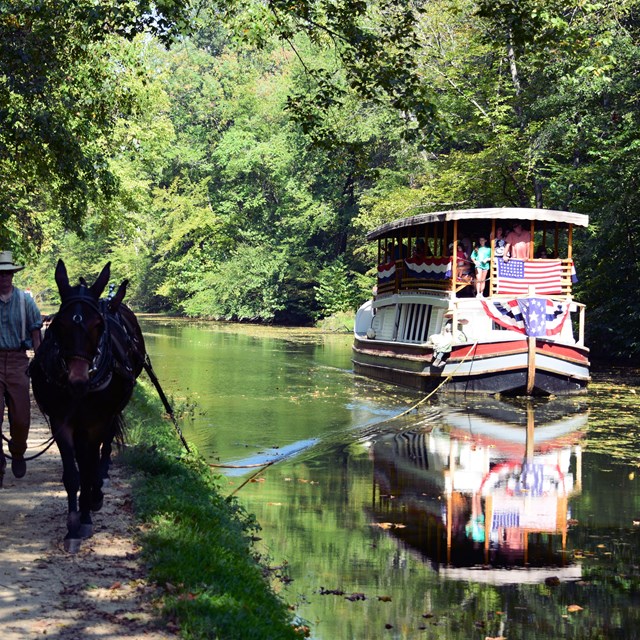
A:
{"x": 20, "y": 324}
{"x": 481, "y": 258}
{"x": 500, "y": 243}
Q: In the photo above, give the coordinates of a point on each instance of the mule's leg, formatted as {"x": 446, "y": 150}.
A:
{"x": 3, "y": 464}
{"x": 70, "y": 476}
{"x": 88, "y": 459}
{"x": 105, "y": 461}
{"x": 63, "y": 436}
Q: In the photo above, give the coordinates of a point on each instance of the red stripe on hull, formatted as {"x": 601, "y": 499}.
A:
{"x": 494, "y": 349}
{"x": 482, "y": 350}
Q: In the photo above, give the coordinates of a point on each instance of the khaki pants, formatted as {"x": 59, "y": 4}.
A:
{"x": 14, "y": 394}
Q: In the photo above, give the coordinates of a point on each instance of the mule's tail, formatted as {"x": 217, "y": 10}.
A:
{"x": 119, "y": 431}
{"x": 117, "y": 436}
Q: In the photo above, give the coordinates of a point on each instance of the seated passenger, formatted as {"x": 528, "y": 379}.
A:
{"x": 443, "y": 343}
{"x": 463, "y": 265}
{"x": 400, "y": 251}
{"x": 419, "y": 249}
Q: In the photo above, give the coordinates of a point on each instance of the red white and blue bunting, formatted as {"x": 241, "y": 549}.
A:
{"x": 386, "y": 272}
{"x": 429, "y": 268}
{"x": 531, "y": 316}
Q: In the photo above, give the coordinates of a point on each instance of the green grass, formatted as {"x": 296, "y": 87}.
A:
{"x": 197, "y": 543}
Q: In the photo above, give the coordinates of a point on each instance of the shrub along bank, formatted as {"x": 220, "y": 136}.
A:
{"x": 197, "y": 543}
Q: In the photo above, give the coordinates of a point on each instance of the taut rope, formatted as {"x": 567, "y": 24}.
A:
{"x": 264, "y": 467}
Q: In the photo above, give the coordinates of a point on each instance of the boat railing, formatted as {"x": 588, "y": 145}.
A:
{"x": 548, "y": 277}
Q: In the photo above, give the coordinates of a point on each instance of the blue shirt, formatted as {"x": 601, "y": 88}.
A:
{"x": 11, "y": 320}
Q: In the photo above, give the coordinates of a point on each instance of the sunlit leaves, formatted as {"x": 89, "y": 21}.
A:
{"x": 62, "y": 88}
{"x": 336, "y": 290}
{"x": 244, "y": 287}
{"x": 373, "y": 44}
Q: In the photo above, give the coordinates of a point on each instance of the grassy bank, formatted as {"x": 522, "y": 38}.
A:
{"x": 197, "y": 544}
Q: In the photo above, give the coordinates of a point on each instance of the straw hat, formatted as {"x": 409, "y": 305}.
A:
{"x": 449, "y": 315}
{"x": 6, "y": 262}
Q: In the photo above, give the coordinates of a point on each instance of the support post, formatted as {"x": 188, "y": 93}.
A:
{"x": 454, "y": 258}
{"x": 531, "y": 355}
{"x": 531, "y": 364}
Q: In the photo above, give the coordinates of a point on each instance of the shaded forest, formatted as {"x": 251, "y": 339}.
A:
{"x": 229, "y": 157}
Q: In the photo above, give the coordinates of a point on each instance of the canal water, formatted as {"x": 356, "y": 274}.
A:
{"x": 387, "y": 516}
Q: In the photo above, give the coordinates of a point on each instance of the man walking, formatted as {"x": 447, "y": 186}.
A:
{"x": 20, "y": 323}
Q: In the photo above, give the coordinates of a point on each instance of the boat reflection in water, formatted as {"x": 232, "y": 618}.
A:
{"x": 484, "y": 495}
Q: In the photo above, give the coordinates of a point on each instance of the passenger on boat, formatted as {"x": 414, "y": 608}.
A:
{"x": 400, "y": 251}
{"x": 518, "y": 242}
{"x": 499, "y": 243}
{"x": 481, "y": 258}
{"x": 467, "y": 245}
{"x": 464, "y": 269}
{"x": 443, "y": 343}
{"x": 542, "y": 252}
{"x": 421, "y": 250}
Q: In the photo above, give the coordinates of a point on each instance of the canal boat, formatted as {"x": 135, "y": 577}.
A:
{"x": 436, "y": 321}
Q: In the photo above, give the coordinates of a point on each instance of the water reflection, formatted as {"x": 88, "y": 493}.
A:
{"x": 485, "y": 490}
{"x": 264, "y": 394}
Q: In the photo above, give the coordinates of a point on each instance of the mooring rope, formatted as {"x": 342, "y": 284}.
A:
{"x": 417, "y": 404}
{"x": 251, "y": 477}
{"x": 156, "y": 383}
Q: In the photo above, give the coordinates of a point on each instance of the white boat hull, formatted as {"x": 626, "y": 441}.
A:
{"x": 488, "y": 362}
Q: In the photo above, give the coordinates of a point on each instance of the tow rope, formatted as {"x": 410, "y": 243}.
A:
{"x": 156, "y": 383}
{"x": 264, "y": 467}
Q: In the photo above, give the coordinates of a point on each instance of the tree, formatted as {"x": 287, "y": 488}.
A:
{"x": 62, "y": 87}
{"x": 373, "y": 46}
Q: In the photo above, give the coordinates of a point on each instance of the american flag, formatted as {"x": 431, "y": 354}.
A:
{"x": 516, "y": 276}
{"x": 534, "y": 315}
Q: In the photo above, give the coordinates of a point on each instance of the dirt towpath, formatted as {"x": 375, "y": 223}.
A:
{"x": 101, "y": 591}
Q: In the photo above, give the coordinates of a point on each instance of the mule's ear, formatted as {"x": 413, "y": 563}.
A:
{"x": 62, "y": 279}
{"x": 98, "y": 286}
{"x": 116, "y": 301}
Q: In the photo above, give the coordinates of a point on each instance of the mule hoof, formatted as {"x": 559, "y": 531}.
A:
{"x": 72, "y": 545}
{"x": 85, "y": 531}
{"x": 73, "y": 524}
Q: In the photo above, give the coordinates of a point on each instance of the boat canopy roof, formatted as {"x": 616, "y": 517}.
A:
{"x": 491, "y": 213}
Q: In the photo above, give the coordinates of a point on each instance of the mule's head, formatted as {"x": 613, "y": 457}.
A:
{"x": 79, "y": 325}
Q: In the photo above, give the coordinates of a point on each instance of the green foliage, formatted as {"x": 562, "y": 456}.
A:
{"x": 229, "y": 174}
{"x": 63, "y": 84}
{"x": 197, "y": 543}
{"x": 336, "y": 290}
{"x": 341, "y": 322}
{"x": 373, "y": 49}
{"x": 247, "y": 286}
